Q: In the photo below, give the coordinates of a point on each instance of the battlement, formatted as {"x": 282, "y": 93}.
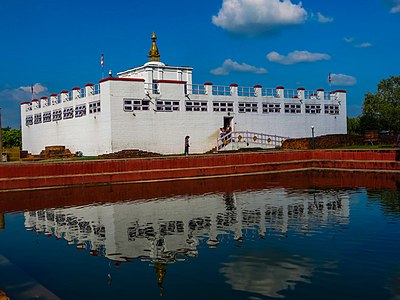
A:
{"x": 181, "y": 89}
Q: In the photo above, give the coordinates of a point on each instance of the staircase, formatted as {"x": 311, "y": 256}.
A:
{"x": 246, "y": 139}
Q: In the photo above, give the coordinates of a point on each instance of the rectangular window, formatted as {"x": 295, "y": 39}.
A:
{"x": 292, "y": 108}
{"x": 38, "y": 118}
{"x": 47, "y": 116}
{"x": 223, "y": 106}
{"x": 57, "y": 115}
{"x": 196, "y": 105}
{"x": 68, "y": 112}
{"x": 94, "y": 107}
{"x": 80, "y": 110}
{"x": 136, "y": 104}
{"x": 271, "y": 108}
{"x": 313, "y": 109}
{"x": 167, "y": 105}
{"x": 332, "y": 109}
{"x": 248, "y": 107}
{"x": 28, "y": 120}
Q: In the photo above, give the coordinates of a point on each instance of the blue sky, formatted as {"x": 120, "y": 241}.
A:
{"x": 56, "y": 45}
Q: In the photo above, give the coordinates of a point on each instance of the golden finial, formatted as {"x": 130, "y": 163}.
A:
{"x": 154, "y": 55}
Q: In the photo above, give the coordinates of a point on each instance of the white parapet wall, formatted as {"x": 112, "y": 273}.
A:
{"x": 79, "y": 121}
{"x": 131, "y": 113}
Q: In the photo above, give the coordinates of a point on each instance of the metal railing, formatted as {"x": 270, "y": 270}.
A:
{"x": 221, "y": 90}
{"x": 248, "y": 137}
{"x": 196, "y": 89}
{"x": 246, "y": 91}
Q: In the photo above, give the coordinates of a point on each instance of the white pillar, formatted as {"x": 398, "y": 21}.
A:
{"x": 258, "y": 90}
{"x": 320, "y": 94}
{"x": 234, "y": 89}
{"x": 301, "y": 93}
{"x": 280, "y": 91}
{"x": 64, "y": 96}
{"x": 35, "y": 104}
{"x": 89, "y": 89}
{"x": 76, "y": 93}
{"x": 208, "y": 88}
{"x": 53, "y": 100}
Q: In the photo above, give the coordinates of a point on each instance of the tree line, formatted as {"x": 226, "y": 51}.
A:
{"x": 11, "y": 137}
{"x": 380, "y": 111}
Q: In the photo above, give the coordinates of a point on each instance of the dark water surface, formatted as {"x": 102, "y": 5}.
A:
{"x": 293, "y": 236}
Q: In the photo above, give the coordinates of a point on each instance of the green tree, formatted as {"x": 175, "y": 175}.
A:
{"x": 382, "y": 109}
{"x": 353, "y": 125}
{"x": 11, "y": 137}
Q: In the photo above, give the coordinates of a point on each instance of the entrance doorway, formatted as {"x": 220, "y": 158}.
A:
{"x": 228, "y": 123}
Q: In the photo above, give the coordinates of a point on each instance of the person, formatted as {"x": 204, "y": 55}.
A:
{"x": 222, "y": 132}
{"x": 187, "y": 145}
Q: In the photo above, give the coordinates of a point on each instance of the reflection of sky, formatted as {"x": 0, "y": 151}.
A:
{"x": 267, "y": 273}
{"x": 286, "y": 250}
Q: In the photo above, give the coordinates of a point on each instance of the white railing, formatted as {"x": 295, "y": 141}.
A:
{"x": 96, "y": 89}
{"x": 246, "y": 91}
{"x": 196, "y": 89}
{"x": 221, "y": 90}
{"x": 247, "y": 138}
{"x": 268, "y": 92}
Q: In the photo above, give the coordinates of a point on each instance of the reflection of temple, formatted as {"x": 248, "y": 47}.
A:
{"x": 168, "y": 230}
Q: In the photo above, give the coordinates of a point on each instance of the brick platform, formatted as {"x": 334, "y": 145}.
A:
{"x": 17, "y": 176}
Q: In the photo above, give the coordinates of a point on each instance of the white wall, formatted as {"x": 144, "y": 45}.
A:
{"x": 90, "y": 134}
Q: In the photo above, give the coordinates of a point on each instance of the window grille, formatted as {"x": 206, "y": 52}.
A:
{"x": 248, "y": 107}
{"x": 331, "y": 109}
{"x": 136, "y": 104}
{"x": 28, "y": 120}
{"x": 80, "y": 110}
{"x": 94, "y": 107}
{"x": 223, "y": 106}
{"x": 292, "y": 108}
{"x": 313, "y": 109}
{"x": 57, "y": 115}
{"x": 38, "y": 118}
{"x": 196, "y": 105}
{"x": 271, "y": 108}
{"x": 68, "y": 113}
{"x": 47, "y": 116}
{"x": 167, "y": 105}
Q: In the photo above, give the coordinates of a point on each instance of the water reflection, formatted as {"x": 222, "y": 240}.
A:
{"x": 171, "y": 230}
{"x": 268, "y": 273}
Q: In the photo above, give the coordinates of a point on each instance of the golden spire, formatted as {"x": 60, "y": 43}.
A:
{"x": 154, "y": 55}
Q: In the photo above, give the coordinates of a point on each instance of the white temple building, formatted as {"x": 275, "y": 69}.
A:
{"x": 155, "y": 106}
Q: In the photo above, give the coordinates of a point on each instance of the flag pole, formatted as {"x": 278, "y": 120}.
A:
{"x": 102, "y": 66}
{"x": 330, "y": 83}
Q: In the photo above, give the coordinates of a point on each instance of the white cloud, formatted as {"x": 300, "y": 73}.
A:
{"x": 348, "y": 39}
{"x": 253, "y": 17}
{"x": 363, "y": 45}
{"x": 37, "y": 88}
{"x": 323, "y": 19}
{"x": 10, "y": 102}
{"x": 343, "y": 80}
{"x": 232, "y": 66}
{"x": 395, "y": 7}
{"x": 296, "y": 57}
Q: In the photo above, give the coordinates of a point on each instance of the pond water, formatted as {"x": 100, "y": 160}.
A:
{"x": 251, "y": 238}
